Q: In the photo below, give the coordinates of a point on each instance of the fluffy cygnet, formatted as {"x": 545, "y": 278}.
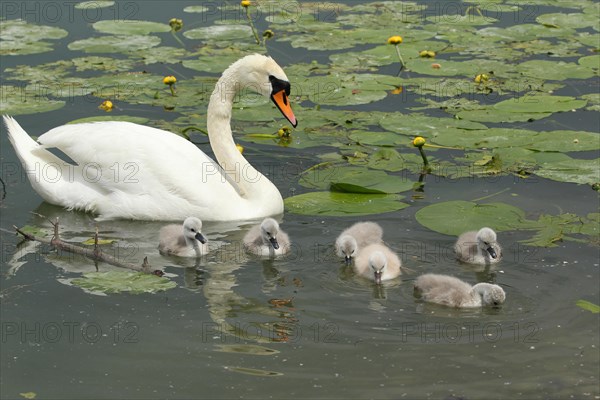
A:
{"x": 356, "y": 237}
{"x": 450, "y": 291}
{"x": 183, "y": 242}
{"x": 267, "y": 240}
{"x": 478, "y": 247}
{"x": 377, "y": 262}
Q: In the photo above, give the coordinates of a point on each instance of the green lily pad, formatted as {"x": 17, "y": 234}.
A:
{"x": 590, "y": 61}
{"x": 494, "y": 115}
{"x": 424, "y": 125}
{"x": 254, "y": 371}
{"x": 220, "y": 32}
{"x": 539, "y": 104}
{"x": 456, "y": 217}
{"x": 343, "y": 204}
{"x": 589, "y": 306}
{"x": 353, "y": 180}
{"x": 16, "y": 100}
{"x": 94, "y": 4}
{"x": 253, "y": 349}
{"x": 130, "y": 27}
{"x": 123, "y": 281}
{"x": 34, "y": 230}
{"x": 18, "y": 37}
{"x": 92, "y": 241}
{"x": 195, "y": 9}
{"x": 573, "y": 20}
{"x": 555, "y": 70}
{"x": 126, "y": 118}
{"x": 114, "y": 44}
{"x": 571, "y": 170}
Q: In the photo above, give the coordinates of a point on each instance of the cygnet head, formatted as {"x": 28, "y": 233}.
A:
{"x": 192, "y": 228}
{"x": 269, "y": 229}
{"x": 493, "y": 295}
{"x": 347, "y": 248}
{"x": 486, "y": 238}
{"x": 377, "y": 262}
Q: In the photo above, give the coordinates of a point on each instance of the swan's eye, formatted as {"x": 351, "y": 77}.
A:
{"x": 192, "y": 229}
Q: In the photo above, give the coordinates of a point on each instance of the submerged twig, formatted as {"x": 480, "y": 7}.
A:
{"x": 95, "y": 254}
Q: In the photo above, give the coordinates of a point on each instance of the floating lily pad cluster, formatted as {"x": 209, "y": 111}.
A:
{"x": 536, "y": 66}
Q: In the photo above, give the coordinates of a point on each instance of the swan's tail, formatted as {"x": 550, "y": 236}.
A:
{"x": 23, "y": 144}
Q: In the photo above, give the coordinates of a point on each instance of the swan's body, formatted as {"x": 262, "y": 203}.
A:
{"x": 183, "y": 241}
{"x": 450, "y": 291}
{"x": 478, "y": 247}
{"x": 267, "y": 239}
{"x": 125, "y": 170}
{"x": 359, "y": 235}
{"x": 377, "y": 262}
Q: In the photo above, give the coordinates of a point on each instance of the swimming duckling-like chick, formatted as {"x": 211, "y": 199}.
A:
{"x": 478, "y": 247}
{"x": 353, "y": 239}
{"x": 377, "y": 262}
{"x": 267, "y": 240}
{"x": 450, "y": 291}
{"x": 186, "y": 241}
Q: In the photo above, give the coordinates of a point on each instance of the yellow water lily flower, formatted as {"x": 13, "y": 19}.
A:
{"x": 394, "y": 40}
{"x": 169, "y": 80}
{"x": 481, "y": 78}
{"x": 284, "y": 132}
{"x": 419, "y": 141}
{"x": 268, "y": 34}
{"x": 427, "y": 54}
{"x": 106, "y": 105}
{"x": 240, "y": 148}
{"x": 245, "y": 3}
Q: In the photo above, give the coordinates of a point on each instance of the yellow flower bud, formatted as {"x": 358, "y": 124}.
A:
{"x": 419, "y": 141}
{"x": 284, "y": 132}
{"x": 427, "y": 54}
{"x": 268, "y": 34}
{"x": 176, "y": 24}
{"x": 240, "y": 147}
{"x": 394, "y": 40}
{"x": 481, "y": 78}
{"x": 106, "y": 105}
{"x": 169, "y": 80}
{"x": 245, "y": 3}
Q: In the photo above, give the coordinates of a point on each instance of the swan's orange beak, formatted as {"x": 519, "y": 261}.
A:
{"x": 281, "y": 101}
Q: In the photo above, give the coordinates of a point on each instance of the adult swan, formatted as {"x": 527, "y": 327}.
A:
{"x": 125, "y": 170}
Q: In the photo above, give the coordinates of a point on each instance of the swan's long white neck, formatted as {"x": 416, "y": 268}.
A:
{"x": 250, "y": 182}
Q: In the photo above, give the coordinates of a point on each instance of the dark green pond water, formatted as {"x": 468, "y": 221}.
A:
{"x": 222, "y": 333}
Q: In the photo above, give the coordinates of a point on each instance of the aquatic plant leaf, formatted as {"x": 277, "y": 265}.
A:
{"x": 123, "y": 281}
{"x": 92, "y": 241}
{"x": 253, "y": 349}
{"x": 494, "y": 115}
{"x": 586, "y": 305}
{"x": 590, "y": 61}
{"x": 572, "y": 20}
{"x": 94, "y": 4}
{"x": 16, "y": 100}
{"x": 253, "y": 371}
{"x": 195, "y": 9}
{"x": 353, "y": 180}
{"x": 18, "y": 37}
{"x": 343, "y": 204}
{"x": 539, "y": 103}
{"x": 419, "y": 124}
{"x": 220, "y": 32}
{"x": 456, "y": 217}
{"x": 129, "y": 27}
{"x": 555, "y": 70}
{"x": 114, "y": 44}
{"x": 127, "y": 118}
{"x": 572, "y": 170}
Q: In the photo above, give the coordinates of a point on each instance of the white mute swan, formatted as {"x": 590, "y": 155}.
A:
{"x": 450, "y": 291}
{"x": 478, "y": 247}
{"x": 356, "y": 237}
{"x": 186, "y": 241}
{"x": 125, "y": 170}
{"x": 377, "y": 262}
{"x": 267, "y": 240}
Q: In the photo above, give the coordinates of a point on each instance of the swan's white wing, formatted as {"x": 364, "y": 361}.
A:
{"x": 138, "y": 169}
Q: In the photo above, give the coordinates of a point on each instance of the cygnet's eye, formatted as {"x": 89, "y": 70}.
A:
{"x": 192, "y": 229}
{"x": 486, "y": 243}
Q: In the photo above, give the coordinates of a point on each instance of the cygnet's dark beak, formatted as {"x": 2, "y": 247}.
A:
{"x": 348, "y": 260}
{"x": 274, "y": 243}
{"x": 378, "y": 277}
{"x": 200, "y": 237}
{"x": 492, "y": 252}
